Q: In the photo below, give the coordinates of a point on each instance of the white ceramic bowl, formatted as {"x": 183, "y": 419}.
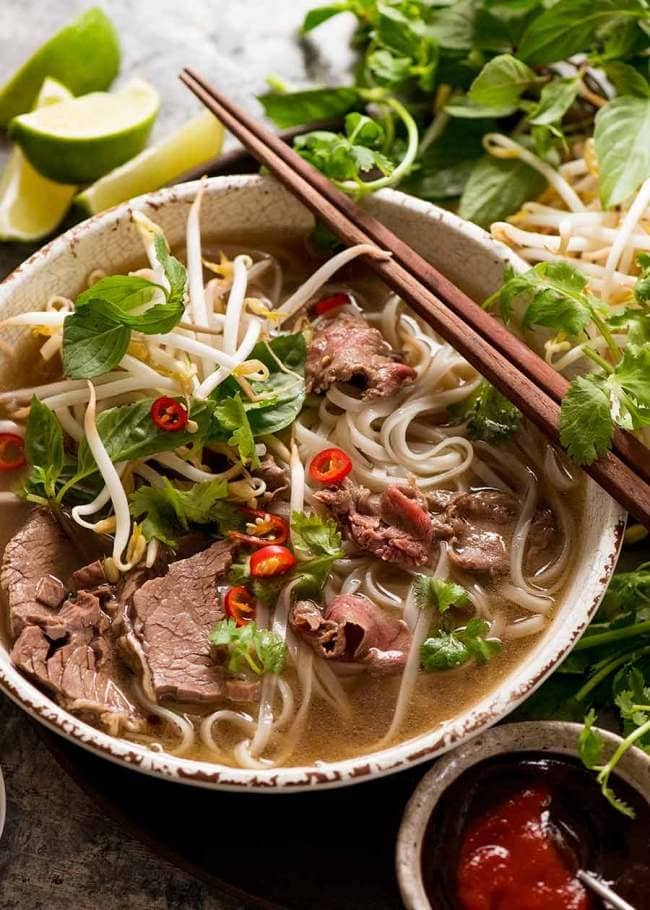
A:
{"x": 552, "y": 737}
{"x": 237, "y": 205}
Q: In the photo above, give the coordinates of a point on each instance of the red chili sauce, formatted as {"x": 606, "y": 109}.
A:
{"x": 511, "y": 833}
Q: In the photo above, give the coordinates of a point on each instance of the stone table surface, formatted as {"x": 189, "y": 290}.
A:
{"x": 59, "y": 850}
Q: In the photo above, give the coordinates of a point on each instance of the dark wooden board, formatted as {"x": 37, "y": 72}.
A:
{"x": 302, "y": 851}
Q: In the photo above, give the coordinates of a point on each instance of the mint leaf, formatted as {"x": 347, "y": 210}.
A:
{"x": 586, "y": 425}
{"x": 435, "y": 594}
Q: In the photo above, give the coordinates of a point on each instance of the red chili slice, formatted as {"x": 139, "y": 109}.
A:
{"x": 240, "y": 605}
{"x": 168, "y": 414}
{"x": 270, "y": 561}
{"x": 12, "y": 451}
{"x": 330, "y": 466}
{"x": 325, "y": 304}
{"x": 270, "y": 529}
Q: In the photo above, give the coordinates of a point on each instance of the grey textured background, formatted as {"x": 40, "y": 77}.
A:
{"x": 59, "y": 851}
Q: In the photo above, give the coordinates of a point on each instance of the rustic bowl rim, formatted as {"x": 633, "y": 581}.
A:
{"x": 552, "y": 737}
{"x": 502, "y": 700}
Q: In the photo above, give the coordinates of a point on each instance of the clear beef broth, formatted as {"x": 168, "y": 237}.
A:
{"x": 438, "y": 697}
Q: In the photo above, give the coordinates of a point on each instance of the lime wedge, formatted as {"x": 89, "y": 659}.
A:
{"x": 80, "y": 140}
{"x": 196, "y": 141}
{"x": 84, "y": 55}
{"x": 30, "y": 205}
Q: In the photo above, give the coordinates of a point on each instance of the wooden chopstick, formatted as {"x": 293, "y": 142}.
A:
{"x": 334, "y": 209}
{"x": 628, "y": 447}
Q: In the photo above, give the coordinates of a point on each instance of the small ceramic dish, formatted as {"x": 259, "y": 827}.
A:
{"x": 552, "y": 737}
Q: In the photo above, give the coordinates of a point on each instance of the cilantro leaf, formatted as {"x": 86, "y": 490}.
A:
{"x": 169, "y": 510}
{"x": 318, "y": 535}
{"x": 591, "y": 744}
{"x": 436, "y": 594}
{"x": 553, "y": 294}
{"x": 350, "y": 156}
{"x": 586, "y": 425}
{"x": 446, "y": 650}
{"x": 248, "y": 647}
{"x": 489, "y": 416}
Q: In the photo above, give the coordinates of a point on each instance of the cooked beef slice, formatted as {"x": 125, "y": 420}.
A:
{"x": 40, "y": 549}
{"x": 172, "y": 617}
{"x": 274, "y": 476}
{"x": 50, "y": 591}
{"x": 354, "y": 629}
{"x": 484, "y": 522}
{"x": 71, "y": 657}
{"x": 346, "y": 349}
{"x": 243, "y": 690}
{"x": 395, "y": 526}
{"x": 89, "y": 577}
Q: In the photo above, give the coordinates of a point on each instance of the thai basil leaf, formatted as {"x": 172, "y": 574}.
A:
{"x": 497, "y": 188}
{"x": 296, "y": 108}
{"x": 43, "y": 448}
{"x": 622, "y": 138}
{"x": 571, "y": 26}
{"x": 93, "y": 342}
{"x": 501, "y": 83}
{"x": 129, "y": 433}
{"x": 555, "y": 100}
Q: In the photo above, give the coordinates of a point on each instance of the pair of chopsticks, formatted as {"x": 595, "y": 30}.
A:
{"x": 503, "y": 359}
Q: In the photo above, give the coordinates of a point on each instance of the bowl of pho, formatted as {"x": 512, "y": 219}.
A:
{"x": 263, "y": 528}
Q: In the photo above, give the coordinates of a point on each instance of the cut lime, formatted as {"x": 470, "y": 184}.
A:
{"x": 195, "y": 142}
{"x": 84, "y": 56}
{"x": 31, "y": 206}
{"x": 80, "y": 140}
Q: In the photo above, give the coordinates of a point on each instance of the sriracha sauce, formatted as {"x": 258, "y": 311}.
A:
{"x": 508, "y": 859}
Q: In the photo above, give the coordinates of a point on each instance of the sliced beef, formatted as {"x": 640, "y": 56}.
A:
{"x": 346, "y": 349}
{"x": 39, "y": 550}
{"x": 70, "y": 655}
{"x": 243, "y": 690}
{"x": 172, "y": 617}
{"x": 274, "y": 476}
{"x": 353, "y": 629}
{"x": 89, "y": 577}
{"x": 395, "y": 526}
{"x": 483, "y": 524}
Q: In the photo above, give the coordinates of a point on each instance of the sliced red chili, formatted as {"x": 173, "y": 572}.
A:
{"x": 270, "y": 561}
{"x": 325, "y": 304}
{"x": 12, "y": 451}
{"x": 240, "y": 605}
{"x": 169, "y": 414}
{"x": 264, "y": 528}
{"x": 330, "y": 466}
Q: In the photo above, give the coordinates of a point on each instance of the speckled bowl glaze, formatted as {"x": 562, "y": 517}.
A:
{"x": 553, "y": 737}
{"x": 237, "y": 206}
